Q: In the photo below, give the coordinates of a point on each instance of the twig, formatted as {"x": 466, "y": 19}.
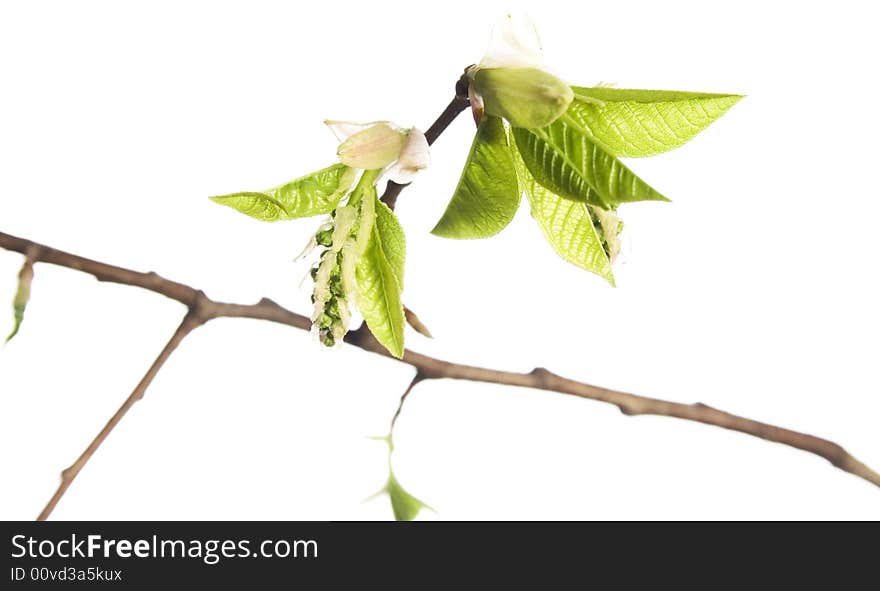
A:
{"x": 426, "y": 367}
{"x": 416, "y": 379}
{"x": 190, "y": 322}
{"x": 458, "y": 104}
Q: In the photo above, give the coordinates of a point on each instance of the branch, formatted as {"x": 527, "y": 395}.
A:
{"x": 427, "y": 368}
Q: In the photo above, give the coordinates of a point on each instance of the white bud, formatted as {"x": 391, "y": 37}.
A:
{"x": 374, "y": 147}
{"x": 415, "y": 156}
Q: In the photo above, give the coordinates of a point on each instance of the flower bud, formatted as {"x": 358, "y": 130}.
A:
{"x": 414, "y": 156}
{"x": 376, "y": 146}
{"x": 526, "y": 97}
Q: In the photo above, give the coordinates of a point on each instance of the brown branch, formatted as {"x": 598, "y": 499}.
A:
{"x": 202, "y": 309}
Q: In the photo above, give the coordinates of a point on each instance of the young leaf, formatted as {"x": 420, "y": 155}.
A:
{"x": 313, "y": 194}
{"x": 568, "y": 226}
{"x": 569, "y": 163}
{"x": 22, "y": 295}
{"x": 405, "y": 506}
{"x": 380, "y": 278}
{"x": 487, "y": 195}
{"x": 635, "y": 123}
{"x": 393, "y": 239}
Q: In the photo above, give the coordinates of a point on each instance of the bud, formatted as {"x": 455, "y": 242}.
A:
{"x": 526, "y": 97}
{"x": 375, "y": 147}
{"x": 414, "y": 156}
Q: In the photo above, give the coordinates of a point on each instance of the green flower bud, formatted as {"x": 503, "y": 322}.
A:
{"x": 374, "y": 147}
{"x": 336, "y": 289}
{"x": 324, "y": 237}
{"x": 327, "y": 338}
{"x": 526, "y": 97}
{"x": 332, "y": 308}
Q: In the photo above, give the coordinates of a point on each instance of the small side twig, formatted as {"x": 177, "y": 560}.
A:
{"x": 190, "y": 322}
{"x": 416, "y": 379}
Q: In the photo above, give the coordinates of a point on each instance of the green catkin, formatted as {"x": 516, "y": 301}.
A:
{"x": 331, "y": 302}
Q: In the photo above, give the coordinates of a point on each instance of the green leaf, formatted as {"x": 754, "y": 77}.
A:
{"x": 380, "y": 278}
{"x": 635, "y": 123}
{"x": 569, "y": 163}
{"x": 22, "y": 296}
{"x": 568, "y": 226}
{"x": 393, "y": 240}
{"x": 313, "y": 194}
{"x": 487, "y": 195}
{"x": 405, "y": 506}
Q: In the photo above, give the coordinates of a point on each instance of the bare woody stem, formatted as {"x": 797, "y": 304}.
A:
{"x": 201, "y": 309}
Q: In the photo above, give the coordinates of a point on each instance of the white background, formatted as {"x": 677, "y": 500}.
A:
{"x": 754, "y": 291}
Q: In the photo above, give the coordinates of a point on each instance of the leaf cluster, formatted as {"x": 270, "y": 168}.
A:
{"x": 570, "y": 172}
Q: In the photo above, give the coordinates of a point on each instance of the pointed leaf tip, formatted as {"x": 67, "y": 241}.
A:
{"x": 313, "y": 194}
{"x": 405, "y": 506}
{"x": 567, "y": 161}
{"x": 22, "y": 296}
{"x": 637, "y": 123}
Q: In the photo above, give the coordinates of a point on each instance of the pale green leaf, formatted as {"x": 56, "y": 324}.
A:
{"x": 313, "y": 194}
{"x": 634, "y": 123}
{"x": 22, "y": 296}
{"x": 567, "y": 162}
{"x": 393, "y": 239}
{"x": 405, "y": 506}
{"x": 379, "y": 279}
{"x": 487, "y": 195}
{"x": 18, "y": 317}
{"x": 568, "y": 226}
